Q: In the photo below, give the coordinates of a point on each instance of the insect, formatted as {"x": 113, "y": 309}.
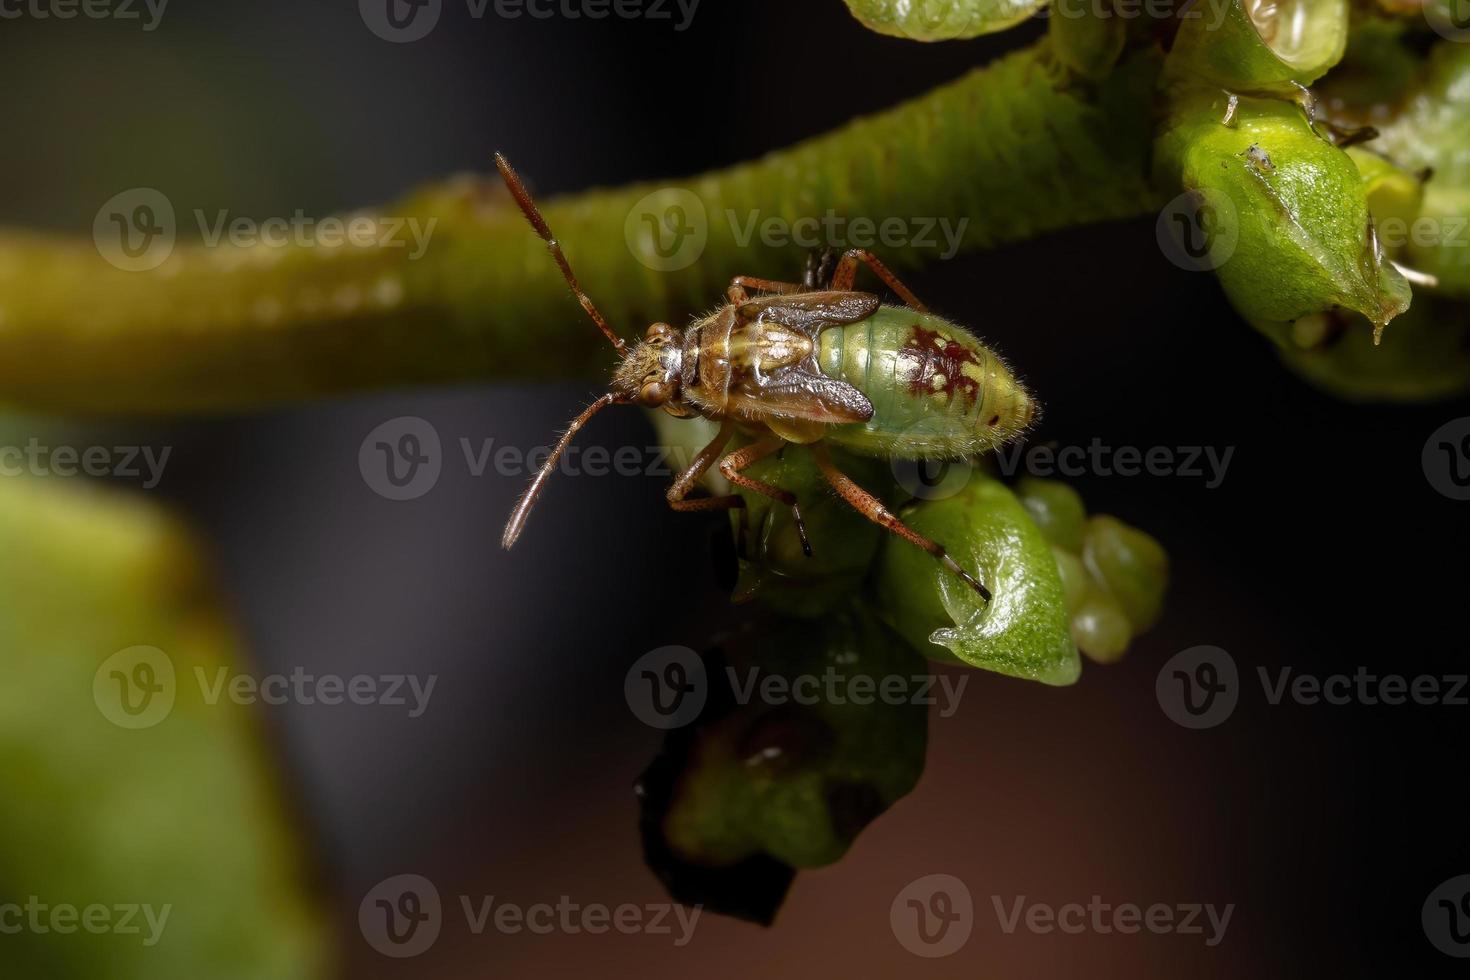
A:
{"x": 1258, "y": 158}
{"x": 811, "y": 364}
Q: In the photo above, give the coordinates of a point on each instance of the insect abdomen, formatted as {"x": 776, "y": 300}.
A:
{"x": 937, "y": 391}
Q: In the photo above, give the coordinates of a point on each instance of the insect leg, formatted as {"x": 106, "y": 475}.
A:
{"x": 738, "y": 286}
{"x": 872, "y": 508}
{"x": 731, "y": 466}
{"x": 685, "y": 482}
{"x": 846, "y": 272}
{"x": 819, "y": 267}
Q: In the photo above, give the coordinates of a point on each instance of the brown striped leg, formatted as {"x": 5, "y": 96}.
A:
{"x": 738, "y": 286}
{"x": 686, "y": 481}
{"x": 871, "y": 508}
{"x": 846, "y": 273}
{"x": 732, "y": 464}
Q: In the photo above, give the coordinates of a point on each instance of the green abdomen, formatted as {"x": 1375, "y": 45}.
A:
{"x": 937, "y": 391}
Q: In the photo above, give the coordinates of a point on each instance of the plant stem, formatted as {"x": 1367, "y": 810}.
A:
{"x": 1011, "y": 151}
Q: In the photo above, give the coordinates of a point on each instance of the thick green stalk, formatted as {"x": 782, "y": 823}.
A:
{"x": 1011, "y": 150}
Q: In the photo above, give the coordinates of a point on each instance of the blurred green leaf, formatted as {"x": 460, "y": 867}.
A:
{"x": 180, "y": 810}
{"x": 1433, "y": 133}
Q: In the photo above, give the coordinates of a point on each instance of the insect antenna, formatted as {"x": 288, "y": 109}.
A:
{"x": 533, "y": 215}
{"x": 517, "y": 522}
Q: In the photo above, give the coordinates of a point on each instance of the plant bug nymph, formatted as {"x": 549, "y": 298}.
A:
{"x": 806, "y": 363}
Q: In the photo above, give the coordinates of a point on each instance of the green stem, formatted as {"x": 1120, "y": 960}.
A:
{"x": 1012, "y": 150}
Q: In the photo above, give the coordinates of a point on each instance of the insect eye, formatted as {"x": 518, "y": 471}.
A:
{"x": 654, "y": 393}
{"x": 659, "y": 332}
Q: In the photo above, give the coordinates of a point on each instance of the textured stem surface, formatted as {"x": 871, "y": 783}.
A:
{"x": 1011, "y": 151}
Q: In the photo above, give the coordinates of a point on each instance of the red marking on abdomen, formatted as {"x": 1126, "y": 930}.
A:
{"x": 928, "y": 354}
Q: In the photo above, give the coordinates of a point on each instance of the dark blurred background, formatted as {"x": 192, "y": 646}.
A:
{"x": 1325, "y": 547}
